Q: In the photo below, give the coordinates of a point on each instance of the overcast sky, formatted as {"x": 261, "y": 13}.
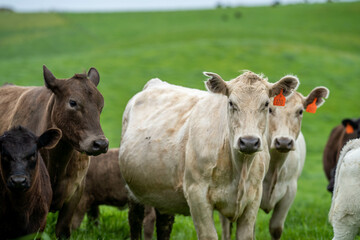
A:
{"x": 129, "y": 5}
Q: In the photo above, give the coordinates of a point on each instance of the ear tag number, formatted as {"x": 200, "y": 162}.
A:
{"x": 349, "y": 129}
{"x": 311, "y": 108}
{"x": 280, "y": 99}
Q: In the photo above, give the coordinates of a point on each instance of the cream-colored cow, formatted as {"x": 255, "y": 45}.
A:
{"x": 188, "y": 151}
{"x": 344, "y": 213}
{"x": 287, "y": 157}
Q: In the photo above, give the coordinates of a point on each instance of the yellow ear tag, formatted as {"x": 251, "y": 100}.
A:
{"x": 280, "y": 99}
{"x": 311, "y": 108}
{"x": 349, "y": 129}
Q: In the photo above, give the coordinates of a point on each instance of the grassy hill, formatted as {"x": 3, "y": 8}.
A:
{"x": 320, "y": 43}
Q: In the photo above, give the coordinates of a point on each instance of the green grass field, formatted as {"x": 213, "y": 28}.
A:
{"x": 320, "y": 43}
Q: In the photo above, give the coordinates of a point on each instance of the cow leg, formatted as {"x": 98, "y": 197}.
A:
{"x": 136, "y": 217}
{"x": 149, "y": 222}
{"x": 280, "y": 212}
{"x": 63, "y": 225}
{"x": 201, "y": 211}
{"x": 164, "y": 223}
{"x": 94, "y": 214}
{"x": 226, "y": 226}
{"x": 80, "y": 212}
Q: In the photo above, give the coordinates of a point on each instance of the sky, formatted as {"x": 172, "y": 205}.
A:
{"x": 129, "y": 5}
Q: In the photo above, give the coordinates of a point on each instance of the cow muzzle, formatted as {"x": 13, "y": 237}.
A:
{"x": 283, "y": 144}
{"x": 249, "y": 145}
{"x": 18, "y": 183}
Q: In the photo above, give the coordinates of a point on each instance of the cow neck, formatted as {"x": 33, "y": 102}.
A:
{"x": 61, "y": 154}
{"x": 242, "y": 164}
{"x": 277, "y": 160}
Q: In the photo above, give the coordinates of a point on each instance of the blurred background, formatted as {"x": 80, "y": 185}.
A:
{"x": 130, "y": 42}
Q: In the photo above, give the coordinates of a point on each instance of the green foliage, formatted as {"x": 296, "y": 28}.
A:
{"x": 317, "y": 42}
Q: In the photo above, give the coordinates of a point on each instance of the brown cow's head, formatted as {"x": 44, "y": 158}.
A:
{"x": 20, "y": 158}
{"x": 76, "y": 111}
{"x": 285, "y": 121}
{"x": 355, "y": 126}
{"x": 248, "y": 102}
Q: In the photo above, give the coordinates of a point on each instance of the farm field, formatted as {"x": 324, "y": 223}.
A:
{"x": 320, "y": 43}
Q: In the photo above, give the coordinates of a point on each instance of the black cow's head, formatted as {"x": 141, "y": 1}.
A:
{"x": 20, "y": 157}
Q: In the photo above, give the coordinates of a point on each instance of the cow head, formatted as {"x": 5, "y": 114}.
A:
{"x": 20, "y": 157}
{"x": 76, "y": 111}
{"x": 248, "y": 99}
{"x": 355, "y": 125}
{"x": 285, "y": 121}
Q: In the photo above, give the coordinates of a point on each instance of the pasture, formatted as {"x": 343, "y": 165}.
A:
{"x": 320, "y": 43}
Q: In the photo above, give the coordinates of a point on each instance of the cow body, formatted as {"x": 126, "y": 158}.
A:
{"x": 337, "y": 139}
{"x": 25, "y": 188}
{"x": 73, "y": 106}
{"x": 344, "y": 213}
{"x": 104, "y": 185}
{"x": 179, "y": 154}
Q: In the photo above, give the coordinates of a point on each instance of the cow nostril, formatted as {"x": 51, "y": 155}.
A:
{"x": 257, "y": 143}
{"x": 290, "y": 144}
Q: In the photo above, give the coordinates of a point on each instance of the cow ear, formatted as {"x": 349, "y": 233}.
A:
{"x": 50, "y": 79}
{"x": 94, "y": 76}
{"x": 49, "y": 138}
{"x": 216, "y": 84}
{"x": 288, "y": 84}
{"x": 319, "y": 93}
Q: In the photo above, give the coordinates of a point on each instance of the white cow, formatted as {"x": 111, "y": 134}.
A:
{"x": 190, "y": 152}
{"x": 287, "y": 157}
{"x": 344, "y": 213}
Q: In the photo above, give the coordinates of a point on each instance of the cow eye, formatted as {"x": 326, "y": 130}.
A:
{"x": 267, "y": 104}
{"x": 72, "y": 103}
{"x": 270, "y": 110}
{"x": 301, "y": 112}
{"x": 31, "y": 157}
{"x": 231, "y": 104}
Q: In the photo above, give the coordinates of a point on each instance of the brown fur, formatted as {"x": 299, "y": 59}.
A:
{"x": 337, "y": 139}
{"x": 40, "y": 108}
{"x": 104, "y": 185}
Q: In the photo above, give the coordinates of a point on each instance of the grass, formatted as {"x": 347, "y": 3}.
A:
{"x": 317, "y": 42}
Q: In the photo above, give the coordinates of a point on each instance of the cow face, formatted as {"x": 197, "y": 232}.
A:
{"x": 248, "y": 99}
{"x": 20, "y": 156}
{"x": 285, "y": 121}
{"x": 76, "y": 111}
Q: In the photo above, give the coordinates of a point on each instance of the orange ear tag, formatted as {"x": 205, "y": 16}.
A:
{"x": 279, "y": 100}
{"x": 349, "y": 129}
{"x": 311, "y": 108}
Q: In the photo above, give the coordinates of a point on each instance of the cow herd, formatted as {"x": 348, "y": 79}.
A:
{"x": 234, "y": 148}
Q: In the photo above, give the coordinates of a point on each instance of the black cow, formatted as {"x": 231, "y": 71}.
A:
{"x": 25, "y": 188}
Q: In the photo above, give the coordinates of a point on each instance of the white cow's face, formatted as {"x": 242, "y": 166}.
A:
{"x": 285, "y": 122}
{"x": 248, "y": 106}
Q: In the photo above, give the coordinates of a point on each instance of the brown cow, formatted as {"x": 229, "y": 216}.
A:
{"x": 104, "y": 184}
{"x": 337, "y": 139}
{"x": 25, "y": 188}
{"x": 74, "y": 106}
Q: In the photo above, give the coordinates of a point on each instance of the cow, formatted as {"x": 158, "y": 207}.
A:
{"x": 339, "y": 136}
{"x": 25, "y": 188}
{"x": 73, "y": 105}
{"x": 187, "y": 151}
{"x": 104, "y": 184}
{"x": 344, "y": 214}
{"x": 287, "y": 158}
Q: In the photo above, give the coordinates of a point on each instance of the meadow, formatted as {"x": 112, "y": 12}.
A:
{"x": 320, "y": 43}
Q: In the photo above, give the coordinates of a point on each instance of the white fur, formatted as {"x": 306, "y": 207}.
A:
{"x": 344, "y": 213}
